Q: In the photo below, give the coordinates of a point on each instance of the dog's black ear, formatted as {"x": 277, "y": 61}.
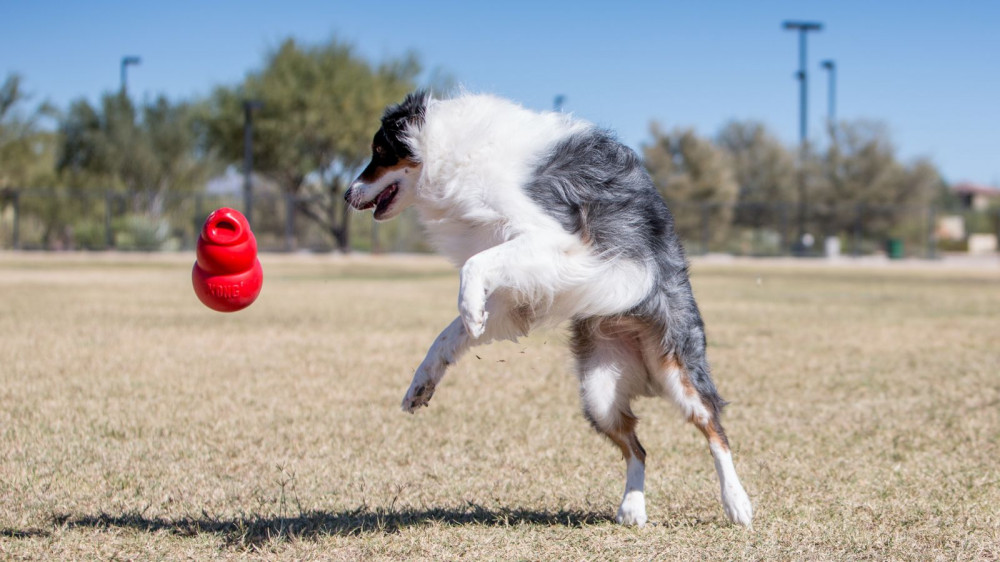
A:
{"x": 398, "y": 118}
{"x": 410, "y": 112}
{"x": 415, "y": 106}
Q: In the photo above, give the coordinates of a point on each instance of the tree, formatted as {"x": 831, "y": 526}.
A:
{"x": 319, "y": 107}
{"x": 763, "y": 169}
{"x": 858, "y": 181}
{"x": 154, "y": 149}
{"x": 140, "y": 158}
{"x": 695, "y": 178}
{"x": 26, "y": 150}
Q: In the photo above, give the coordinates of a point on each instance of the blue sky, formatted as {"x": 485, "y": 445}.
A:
{"x": 929, "y": 70}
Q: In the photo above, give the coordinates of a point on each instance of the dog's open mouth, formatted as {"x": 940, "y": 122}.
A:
{"x": 383, "y": 200}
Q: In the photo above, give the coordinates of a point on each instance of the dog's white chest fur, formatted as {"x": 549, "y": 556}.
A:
{"x": 478, "y": 153}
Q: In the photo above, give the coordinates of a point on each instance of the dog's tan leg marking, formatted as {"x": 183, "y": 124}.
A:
{"x": 735, "y": 501}
{"x": 632, "y": 510}
{"x": 611, "y": 374}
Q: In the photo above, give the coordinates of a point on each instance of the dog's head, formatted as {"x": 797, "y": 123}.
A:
{"x": 388, "y": 182}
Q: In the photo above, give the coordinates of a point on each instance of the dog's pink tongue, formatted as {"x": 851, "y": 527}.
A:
{"x": 386, "y": 193}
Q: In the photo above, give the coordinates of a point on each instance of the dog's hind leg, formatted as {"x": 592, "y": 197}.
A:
{"x": 611, "y": 373}
{"x": 691, "y": 388}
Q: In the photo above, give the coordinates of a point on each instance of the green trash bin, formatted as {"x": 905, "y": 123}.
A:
{"x": 894, "y": 248}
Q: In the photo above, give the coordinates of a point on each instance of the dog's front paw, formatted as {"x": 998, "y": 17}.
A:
{"x": 472, "y": 308}
{"x": 418, "y": 395}
{"x": 474, "y": 317}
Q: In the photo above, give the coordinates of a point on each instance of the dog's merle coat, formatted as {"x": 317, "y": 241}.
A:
{"x": 553, "y": 219}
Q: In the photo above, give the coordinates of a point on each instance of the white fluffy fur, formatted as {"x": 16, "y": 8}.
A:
{"x": 478, "y": 152}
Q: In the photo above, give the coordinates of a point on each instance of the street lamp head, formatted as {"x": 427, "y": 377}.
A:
{"x": 802, "y": 25}
{"x": 828, "y": 64}
{"x": 126, "y": 62}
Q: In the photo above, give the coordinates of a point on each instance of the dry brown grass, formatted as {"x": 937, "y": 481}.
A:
{"x": 135, "y": 423}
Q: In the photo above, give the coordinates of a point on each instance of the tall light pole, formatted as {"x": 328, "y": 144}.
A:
{"x": 557, "y": 103}
{"x": 248, "y": 107}
{"x": 831, "y": 100}
{"x": 126, "y": 61}
{"x": 803, "y": 27}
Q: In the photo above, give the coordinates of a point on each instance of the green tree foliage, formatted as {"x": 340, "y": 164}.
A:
{"x": 696, "y": 179}
{"x": 858, "y": 181}
{"x": 27, "y": 154}
{"x": 320, "y": 106}
{"x": 855, "y": 184}
{"x": 154, "y": 149}
{"x": 141, "y": 158}
{"x": 27, "y": 151}
{"x": 763, "y": 169}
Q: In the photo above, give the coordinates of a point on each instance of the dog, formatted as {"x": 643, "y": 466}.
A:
{"x": 550, "y": 219}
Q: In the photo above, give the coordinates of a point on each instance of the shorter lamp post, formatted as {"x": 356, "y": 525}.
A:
{"x": 248, "y": 107}
{"x": 126, "y": 61}
{"x": 831, "y": 100}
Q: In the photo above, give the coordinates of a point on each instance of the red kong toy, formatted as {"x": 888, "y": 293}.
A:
{"x": 227, "y": 276}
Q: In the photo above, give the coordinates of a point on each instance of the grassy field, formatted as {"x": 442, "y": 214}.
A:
{"x": 137, "y": 424}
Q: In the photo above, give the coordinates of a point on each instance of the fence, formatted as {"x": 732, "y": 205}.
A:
{"x": 64, "y": 220}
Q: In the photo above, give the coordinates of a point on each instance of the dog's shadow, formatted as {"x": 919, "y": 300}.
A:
{"x": 251, "y": 531}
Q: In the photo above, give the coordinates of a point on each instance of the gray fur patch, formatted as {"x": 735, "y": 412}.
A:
{"x": 598, "y": 189}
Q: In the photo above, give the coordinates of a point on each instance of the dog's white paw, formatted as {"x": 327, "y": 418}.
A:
{"x": 632, "y": 511}
{"x": 475, "y": 322}
{"x": 472, "y": 295}
{"x": 472, "y": 308}
{"x": 736, "y": 504}
{"x": 418, "y": 395}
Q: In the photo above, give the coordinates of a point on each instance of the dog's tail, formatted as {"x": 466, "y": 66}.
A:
{"x": 674, "y": 312}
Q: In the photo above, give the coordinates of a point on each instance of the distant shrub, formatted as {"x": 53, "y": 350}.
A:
{"x": 141, "y": 233}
